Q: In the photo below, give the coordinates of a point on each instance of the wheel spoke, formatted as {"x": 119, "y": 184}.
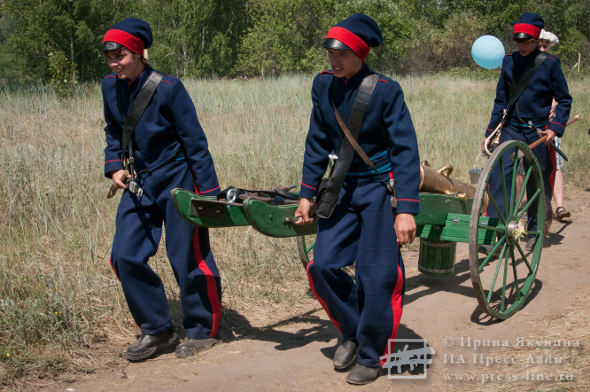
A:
{"x": 515, "y": 167}
{"x": 523, "y": 188}
{"x": 504, "y": 192}
{"x": 497, "y": 229}
{"x": 491, "y": 198}
{"x": 490, "y": 292}
{"x": 528, "y": 204}
{"x": 515, "y": 274}
{"x": 503, "y": 299}
{"x": 490, "y": 255}
{"x": 523, "y": 255}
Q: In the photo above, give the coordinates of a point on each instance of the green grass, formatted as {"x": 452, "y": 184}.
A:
{"x": 58, "y": 294}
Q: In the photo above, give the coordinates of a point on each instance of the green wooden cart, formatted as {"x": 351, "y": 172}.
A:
{"x": 502, "y": 278}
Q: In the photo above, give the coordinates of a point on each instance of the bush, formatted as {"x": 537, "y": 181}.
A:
{"x": 62, "y": 74}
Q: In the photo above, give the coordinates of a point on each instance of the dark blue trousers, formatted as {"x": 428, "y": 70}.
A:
{"x": 138, "y": 231}
{"x": 546, "y": 160}
{"x": 367, "y": 309}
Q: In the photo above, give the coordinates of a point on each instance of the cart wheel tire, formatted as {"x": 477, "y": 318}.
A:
{"x": 503, "y": 277}
{"x": 305, "y": 244}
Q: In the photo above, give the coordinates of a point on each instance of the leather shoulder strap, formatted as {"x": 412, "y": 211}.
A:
{"x": 524, "y": 80}
{"x": 138, "y": 106}
{"x": 361, "y": 102}
{"x": 355, "y": 122}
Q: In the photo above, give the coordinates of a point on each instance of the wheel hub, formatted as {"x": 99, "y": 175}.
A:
{"x": 515, "y": 230}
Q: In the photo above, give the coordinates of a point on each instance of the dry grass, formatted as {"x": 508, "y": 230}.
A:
{"x": 58, "y": 294}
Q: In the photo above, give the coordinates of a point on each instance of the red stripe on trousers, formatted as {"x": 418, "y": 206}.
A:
{"x": 322, "y": 302}
{"x": 396, "y": 307}
{"x": 211, "y": 285}
{"x": 114, "y": 270}
{"x": 209, "y": 278}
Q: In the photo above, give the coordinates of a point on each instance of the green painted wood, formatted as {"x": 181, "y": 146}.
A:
{"x": 207, "y": 211}
{"x": 436, "y": 258}
{"x": 428, "y": 232}
{"x": 456, "y": 229}
{"x": 270, "y": 219}
{"x": 434, "y": 208}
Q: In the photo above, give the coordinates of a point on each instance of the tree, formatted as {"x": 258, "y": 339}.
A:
{"x": 9, "y": 62}
{"x": 284, "y": 36}
{"x": 201, "y": 38}
{"x": 569, "y": 20}
{"x": 399, "y": 30}
{"x": 196, "y": 37}
{"x": 72, "y": 28}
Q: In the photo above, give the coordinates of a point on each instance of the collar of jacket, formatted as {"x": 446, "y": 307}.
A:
{"x": 356, "y": 80}
{"x": 529, "y": 57}
{"x": 137, "y": 83}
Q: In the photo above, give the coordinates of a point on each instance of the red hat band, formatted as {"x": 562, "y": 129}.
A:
{"x": 354, "y": 42}
{"x": 526, "y": 28}
{"x": 129, "y": 41}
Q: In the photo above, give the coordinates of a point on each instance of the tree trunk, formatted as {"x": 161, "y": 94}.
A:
{"x": 72, "y": 61}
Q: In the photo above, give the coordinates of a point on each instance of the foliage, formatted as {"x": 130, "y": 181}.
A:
{"x": 195, "y": 37}
{"x": 9, "y": 67}
{"x": 221, "y": 38}
{"x": 74, "y": 28}
{"x": 61, "y": 71}
{"x": 398, "y": 28}
{"x": 448, "y": 46}
{"x": 285, "y": 36}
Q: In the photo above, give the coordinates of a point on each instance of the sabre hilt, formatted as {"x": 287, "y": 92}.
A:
{"x": 133, "y": 187}
{"x": 541, "y": 135}
{"x": 492, "y": 141}
{"x": 292, "y": 219}
{"x": 131, "y": 184}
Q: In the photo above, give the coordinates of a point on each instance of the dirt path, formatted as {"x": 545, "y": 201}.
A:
{"x": 295, "y": 355}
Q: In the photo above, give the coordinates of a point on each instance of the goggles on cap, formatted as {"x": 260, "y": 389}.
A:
{"x": 110, "y": 45}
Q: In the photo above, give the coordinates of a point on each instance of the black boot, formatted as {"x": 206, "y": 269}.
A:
{"x": 148, "y": 346}
{"x": 361, "y": 375}
{"x": 190, "y": 347}
{"x": 345, "y": 355}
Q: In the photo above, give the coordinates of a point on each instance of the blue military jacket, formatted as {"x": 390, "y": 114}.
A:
{"x": 387, "y": 135}
{"x": 167, "y": 130}
{"x": 534, "y": 103}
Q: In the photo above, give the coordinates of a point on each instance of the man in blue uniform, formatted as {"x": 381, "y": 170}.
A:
{"x": 364, "y": 228}
{"x": 534, "y": 105}
{"x": 169, "y": 149}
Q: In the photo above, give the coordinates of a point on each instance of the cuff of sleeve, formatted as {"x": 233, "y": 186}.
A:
{"x": 557, "y": 128}
{"x": 408, "y": 206}
{"x": 112, "y": 165}
{"x": 307, "y": 191}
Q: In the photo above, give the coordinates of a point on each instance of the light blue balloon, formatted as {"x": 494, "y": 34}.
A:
{"x": 488, "y": 52}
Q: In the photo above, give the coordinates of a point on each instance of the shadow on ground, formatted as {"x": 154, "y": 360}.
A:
{"x": 421, "y": 285}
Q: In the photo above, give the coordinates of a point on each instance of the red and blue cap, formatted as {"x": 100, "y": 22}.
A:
{"x": 358, "y": 33}
{"x": 528, "y": 26}
{"x": 132, "y": 33}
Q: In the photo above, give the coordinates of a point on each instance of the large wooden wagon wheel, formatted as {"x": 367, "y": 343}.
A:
{"x": 502, "y": 278}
